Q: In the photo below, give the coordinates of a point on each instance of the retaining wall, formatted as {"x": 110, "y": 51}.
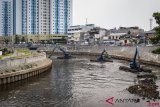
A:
{"x": 117, "y": 52}
{"x": 20, "y": 61}
{"x": 23, "y": 74}
{"x": 120, "y": 51}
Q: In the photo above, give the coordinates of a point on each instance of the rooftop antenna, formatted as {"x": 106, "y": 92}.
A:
{"x": 151, "y": 21}
{"x": 86, "y": 21}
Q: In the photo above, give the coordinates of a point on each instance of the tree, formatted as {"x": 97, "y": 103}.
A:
{"x": 23, "y": 39}
{"x": 156, "y": 39}
{"x": 17, "y": 39}
{"x": 129, "y": 32}
{"x": 31, "y": 40}
{"x": 6, "y": 41}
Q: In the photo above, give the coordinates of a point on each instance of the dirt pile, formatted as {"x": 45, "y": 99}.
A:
{"x": 148, "y": 91}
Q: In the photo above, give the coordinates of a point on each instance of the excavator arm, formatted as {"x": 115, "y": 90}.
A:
{"x": 66, "y": 55}
{"x": 134, "y": 64}
{"x": 101, "y": 58}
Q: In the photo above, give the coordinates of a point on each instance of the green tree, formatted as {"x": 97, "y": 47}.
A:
{"x": 17, "y": 39}
{"x": 6, "y": 41}
{"x": 129, "y": 32}
{"x": 156, "y": 39}
{"x": 23, "y": 39}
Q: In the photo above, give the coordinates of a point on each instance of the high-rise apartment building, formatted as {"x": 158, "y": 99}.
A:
{"x": 44, "y": 16}
{"x": 30, "y": 16}
{"x": 35, "y": 17}
{"x": 61, "y": 16}
{"x": 17, "y": 17}
{"x": 6, "y": 17}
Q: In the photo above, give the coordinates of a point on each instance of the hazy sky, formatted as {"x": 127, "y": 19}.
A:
{"x": 115, "y": 13}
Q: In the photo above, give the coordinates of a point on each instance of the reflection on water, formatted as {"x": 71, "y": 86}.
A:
{"x": 72, "y": 83}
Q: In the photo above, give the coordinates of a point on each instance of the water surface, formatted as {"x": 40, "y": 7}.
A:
{"x": 73, "y": 83}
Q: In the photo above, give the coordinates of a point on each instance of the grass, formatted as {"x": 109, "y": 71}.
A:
{"x": 26, "y": 52}
{"x": 3, "y": 56}
{"x": 23, "y": 51}
{"x": 22, "y": 56}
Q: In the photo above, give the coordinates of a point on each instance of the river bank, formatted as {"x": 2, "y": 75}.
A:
{"x": 15, "y": 69}
{"x": 119, "y": 57}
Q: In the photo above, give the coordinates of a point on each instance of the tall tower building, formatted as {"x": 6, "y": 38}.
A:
{"x": 44, "y": 16}
{"x": 150, "y": 22}
{"x": 35, "y": 17}
{"x": 61, "y": 16}
{"x": 24, "y": 17}
{"x": 30, "y": 16}
{"x": 6, "y": 17}
{"x": 17, "y": 17}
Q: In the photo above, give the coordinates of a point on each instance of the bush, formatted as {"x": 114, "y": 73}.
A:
{"x": 6, "y": 51}
{"x": 156, "y": 51}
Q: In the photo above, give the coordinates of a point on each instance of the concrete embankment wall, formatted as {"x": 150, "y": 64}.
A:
{"x": 20, "y": 61}
{"x": 23, "y": 74}
{"x": 145, "y": 52}
{"x": 117, "y": 52}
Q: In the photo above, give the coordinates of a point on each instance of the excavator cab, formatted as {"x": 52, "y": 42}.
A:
{"x": 134, "y": 65}
{"x": 104, "y": 57}
{"x": 66, "y": 55}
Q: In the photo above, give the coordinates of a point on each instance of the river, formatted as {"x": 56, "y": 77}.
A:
{"x": 74, "y": 83}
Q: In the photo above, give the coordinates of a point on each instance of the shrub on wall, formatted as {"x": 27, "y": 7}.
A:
{"x": 156, "y": 51}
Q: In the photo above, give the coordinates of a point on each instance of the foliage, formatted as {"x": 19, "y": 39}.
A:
{"x": 23, "y": 39}
{"x": 31, "y": 41}
{"x": 157, "y": 17}
{"x": 156, "y": 39}
{"x": 23, "y": 50}
{"x": 6, "y": 41}
{"x": 5, "y": 55}
{"x": 129, "y": 32}
{"x": 6, "y": 51}
{"x": 17, "y": 39}
{"x": 157, "y": 51}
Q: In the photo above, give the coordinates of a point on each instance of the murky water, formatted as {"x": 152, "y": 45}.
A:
{"x": 73, "y": 83}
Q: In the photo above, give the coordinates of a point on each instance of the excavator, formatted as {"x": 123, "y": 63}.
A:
{"x": 66, "y": 55}
{"x": 135, "y": 65}
{"x": 104, "y": 57}
{"x": 145, "y": 75}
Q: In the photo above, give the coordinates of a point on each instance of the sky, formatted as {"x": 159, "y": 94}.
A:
{"x": 115, "y": 13}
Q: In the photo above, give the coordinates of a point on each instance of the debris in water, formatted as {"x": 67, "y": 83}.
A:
{"x": 148, "y": 91}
